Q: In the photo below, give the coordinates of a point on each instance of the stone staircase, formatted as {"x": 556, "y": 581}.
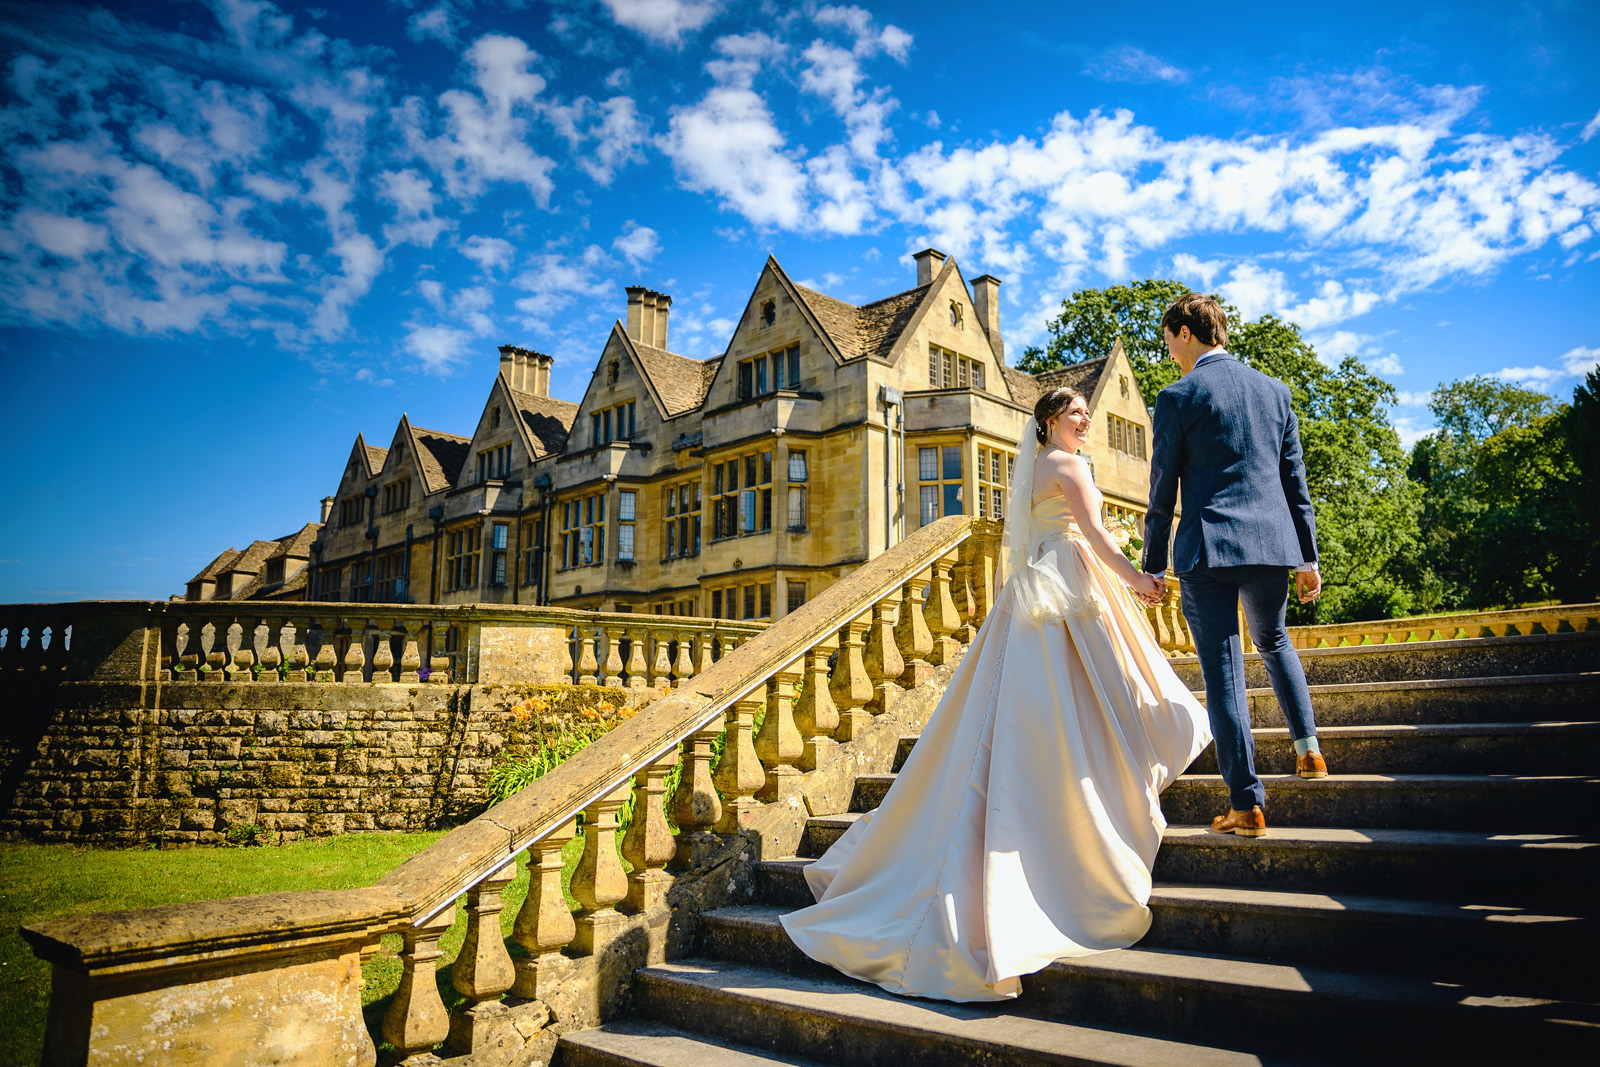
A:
{"x": 1434, "y": 897}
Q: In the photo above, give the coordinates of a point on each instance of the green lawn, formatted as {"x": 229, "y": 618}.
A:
{"x": 48, "y": 881}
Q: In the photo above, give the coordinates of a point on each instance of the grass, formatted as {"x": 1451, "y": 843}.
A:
{"x": 39, "y": 882}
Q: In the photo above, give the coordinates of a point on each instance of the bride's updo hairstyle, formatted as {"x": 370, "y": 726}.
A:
{"x": 1052, "y": 403}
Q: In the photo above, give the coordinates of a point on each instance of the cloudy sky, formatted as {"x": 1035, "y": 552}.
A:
{"x": 235, "y": 233}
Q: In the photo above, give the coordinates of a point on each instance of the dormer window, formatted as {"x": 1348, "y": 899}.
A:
{"x": 769, "y": 313}
{"x": 955, "y": 314}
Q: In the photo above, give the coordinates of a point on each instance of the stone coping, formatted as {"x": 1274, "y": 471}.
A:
{"x": 199, "y": 931}
{"x": 1400, "y": 647}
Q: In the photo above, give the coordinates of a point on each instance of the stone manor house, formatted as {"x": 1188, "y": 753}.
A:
{"x": 735, "y": 487}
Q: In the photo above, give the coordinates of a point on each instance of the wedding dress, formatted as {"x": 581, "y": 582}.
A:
{"x": 1024, "y": 823}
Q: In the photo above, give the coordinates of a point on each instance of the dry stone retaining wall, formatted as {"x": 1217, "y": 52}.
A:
{"x": 187, "y": 764}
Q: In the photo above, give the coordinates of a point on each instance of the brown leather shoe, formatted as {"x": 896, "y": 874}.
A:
{"x": 1310, "y": 766}
{"x": 1250, "y": 823}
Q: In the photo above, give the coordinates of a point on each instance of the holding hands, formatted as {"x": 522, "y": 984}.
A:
{"x": 1149, "y": 589}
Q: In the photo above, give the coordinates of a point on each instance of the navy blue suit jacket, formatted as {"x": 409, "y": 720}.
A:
{"x": 1225, "y": 434}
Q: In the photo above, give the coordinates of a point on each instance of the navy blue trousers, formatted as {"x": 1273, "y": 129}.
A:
{"x": 1211, "y": 598}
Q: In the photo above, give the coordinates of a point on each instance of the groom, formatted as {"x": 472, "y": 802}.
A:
{"x": 1226, "y": 434}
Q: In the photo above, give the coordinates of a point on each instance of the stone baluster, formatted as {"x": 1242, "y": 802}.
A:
{"x": 588, "y": 666}
{"x": 911, "y": 634}
{"x": 685, "y": 665}
{"x": 706, "y": 658}
{"x": 327, "y": 660}
{"x": 544, "y": 926}
{"x": 187, "y": 643}
{"x": 815, "y": 715}
{"x": 648, "y": 844}
{"x": 696, "y": 808}
{"x": 272, "y": 649}
{"x": 613, "y": 655}
{"x": 241, "y": 650}
{"x": 882, "y": 657}
{"x": 599, "y": 882}
{"x": 661, "y": 670}
{"x": 383, "y": 654}
{"x": 940, "y": 614}
{"x": 739, "y": 774}
{"x": 483, "y": 969}
{"x": 410, "y": 657}
{"x": 567, "y": 666}
{"x": 779, "y": 744}
{"x": 851, "y": 687}
{"x": 214, "y": 642}
{"x": 416, "y": 1020}
{"x": 299, "y": 660}
{"x": 355, "y": 653}
{"x": 636, "y": 662}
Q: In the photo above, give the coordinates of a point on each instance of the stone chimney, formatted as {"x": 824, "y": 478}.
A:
{"x": 929, "y": 262}
{"x": 327, "y": 509}
{"x": 986, "y": 302}
{"x": 525, "y": 370}
{"x": 647, "y": 316}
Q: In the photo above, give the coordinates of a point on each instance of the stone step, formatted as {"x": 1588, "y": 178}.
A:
{"x": 1487, "y": 802}
{"x": 1532, "y": 953}
{"x": 1449, "y": 748}
{"x": 1533, "y": 868}
{"x": 634, "y": 1043}
{"x": 1313, "y": 1011}
{"x": 1392, "y": 801}
{"x": 1468, "y": 866}
{"x": 1532, "y": 698}
{"x": 1468, "y": 658}
{"x": 837, "y": 1020}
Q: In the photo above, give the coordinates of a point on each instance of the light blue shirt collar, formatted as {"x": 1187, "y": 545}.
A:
{"x": 1215, "y": 353}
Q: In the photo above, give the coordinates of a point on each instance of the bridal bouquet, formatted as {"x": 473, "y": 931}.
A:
{"x": 1125, "y": 531}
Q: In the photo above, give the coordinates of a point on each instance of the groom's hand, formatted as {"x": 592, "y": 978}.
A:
{"x": 1307, "y": 585}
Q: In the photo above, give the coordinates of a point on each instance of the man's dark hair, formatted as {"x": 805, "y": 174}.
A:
{"x": 1201, "y": 314}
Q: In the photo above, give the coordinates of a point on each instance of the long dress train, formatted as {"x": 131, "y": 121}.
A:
{"x": 1024, "y": 823}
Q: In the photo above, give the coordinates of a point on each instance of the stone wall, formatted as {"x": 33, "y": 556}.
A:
{"x": 187, "y": 764}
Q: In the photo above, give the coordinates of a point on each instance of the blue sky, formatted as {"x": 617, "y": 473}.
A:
{"x": 233, "y": 234}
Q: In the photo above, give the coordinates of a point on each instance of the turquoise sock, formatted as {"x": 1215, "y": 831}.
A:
{"x": 1306, "y": 744}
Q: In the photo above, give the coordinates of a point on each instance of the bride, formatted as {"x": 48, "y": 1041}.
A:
{"x": 1025, "y": 821}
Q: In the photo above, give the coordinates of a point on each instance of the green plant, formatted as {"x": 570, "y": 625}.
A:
{"x": 245, "y": 834}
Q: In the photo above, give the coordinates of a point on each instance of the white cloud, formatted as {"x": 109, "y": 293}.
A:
{"x": 412, "y": 197}
{"x": 637, "y": 244}
{"x": 554, "y": 281}
{"x": 663, "y": 21}
{"x": 1129, "y": 64}
{"x": 439, "y": 23}
{"x": 1388, "y": 364}
{"x": 619, "y": 138}
{"x": 489, "y": 253}
{"x": 485, "y": 136}
{"x": 1189, "y": 267}
{"x": 1411, "y": 430}
{"x": 1256, "y": 291}
{"x": 1334, "y": 346}
{"x": 729, "y": 145}
{"x": 1413, "y": 400}
{"x": 1591, "y": 128}
{"x": 1332, "y": 304}
{"x": 1574, "y": 363}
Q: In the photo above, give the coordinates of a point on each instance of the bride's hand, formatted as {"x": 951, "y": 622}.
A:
{"x": 1147, "y": 587}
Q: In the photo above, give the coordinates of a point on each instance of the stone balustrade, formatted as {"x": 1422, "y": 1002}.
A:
{"x": 883, "y": 629}
{"x": 1547, "y": 619}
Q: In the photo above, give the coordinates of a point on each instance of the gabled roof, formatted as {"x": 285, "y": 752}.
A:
{"x": 440, "y": 456}
{"x": 375, "y": 457}
{"x": 1084, "y": 377}
{"x": 217, "y": 566}
{"x": 680, "y": 383}
{"x": 868, "y": 330}
{"x": 547, "y": 420}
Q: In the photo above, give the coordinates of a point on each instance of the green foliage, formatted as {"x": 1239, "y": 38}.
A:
{"x": 1092, "y": 320}
{"x": 1508, "y": 513}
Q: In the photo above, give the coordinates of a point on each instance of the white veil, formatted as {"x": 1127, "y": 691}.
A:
{"x": 1038, "y": 590}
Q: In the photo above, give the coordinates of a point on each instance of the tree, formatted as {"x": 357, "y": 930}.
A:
{"x": 1366, "y": 506}
{"x": 1531, "y": 541}
{"x": 1092, "y": 320}
{"x": 1452, "y": 555}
